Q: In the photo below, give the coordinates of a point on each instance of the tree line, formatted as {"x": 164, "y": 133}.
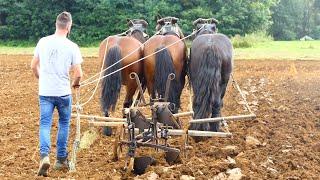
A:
{"x": 93, "y": 20}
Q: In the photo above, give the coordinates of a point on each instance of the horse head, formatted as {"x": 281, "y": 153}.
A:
{"x": 206, "y": 26}
{"x": 169, "y": 25}
{"x": 137, "y": 29}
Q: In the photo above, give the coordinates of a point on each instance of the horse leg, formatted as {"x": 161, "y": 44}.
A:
{"x": 223, "y": 86}
{"x": 151, "y": 91}
{"x": 144, "y": 87}
{"x": 214, "y": 126}
{"x": 218, "y": 104}
{"x": 106, "y": 129}
{"x": 131, "y": 89}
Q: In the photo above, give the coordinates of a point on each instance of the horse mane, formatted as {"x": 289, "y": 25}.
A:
{"x": 138, "y": 35}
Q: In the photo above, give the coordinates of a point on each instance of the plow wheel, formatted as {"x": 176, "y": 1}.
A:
{"x": 117, "y": 148}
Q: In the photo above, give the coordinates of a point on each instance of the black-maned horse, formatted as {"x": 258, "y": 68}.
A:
{"x": 117, "y": 48}
{"x": 211, "y": 63}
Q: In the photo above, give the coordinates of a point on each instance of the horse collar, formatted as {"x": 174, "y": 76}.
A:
{"x": 138, "y": 27}
{"x": 206, "y": 28}
{"x": 170, "y": 29}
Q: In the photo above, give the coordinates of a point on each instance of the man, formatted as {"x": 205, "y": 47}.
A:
{"x": 54, "y": 56}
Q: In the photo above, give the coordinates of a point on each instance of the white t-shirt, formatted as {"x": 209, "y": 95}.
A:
{"x": 57, "y": 55}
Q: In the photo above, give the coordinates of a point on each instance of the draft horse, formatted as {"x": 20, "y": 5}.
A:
{"x": 211, "y": 63}
{"x": 117, "y": 48}
{"x": 170, "y": 60}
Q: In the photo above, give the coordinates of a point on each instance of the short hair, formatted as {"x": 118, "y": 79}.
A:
{"x": 63, "y": 20}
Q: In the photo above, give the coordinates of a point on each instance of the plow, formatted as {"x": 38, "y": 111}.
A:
{"x": 137, "y": 130}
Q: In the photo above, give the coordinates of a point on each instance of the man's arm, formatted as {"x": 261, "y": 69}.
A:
{"x": 35, "y": 66}
{"x": 77, "y": 75}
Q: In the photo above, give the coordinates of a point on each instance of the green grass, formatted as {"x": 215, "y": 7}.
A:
{"x": 249, "y": 40}
{"x": 278, "y": 50}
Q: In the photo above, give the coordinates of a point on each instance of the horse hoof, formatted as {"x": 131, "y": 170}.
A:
{"x": 107, "y": 131}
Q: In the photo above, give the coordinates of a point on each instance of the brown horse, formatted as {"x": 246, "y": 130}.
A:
{"x": 117, "y": 48}
{"x": 170, "y": 60}
{"x": 210, "y": 68}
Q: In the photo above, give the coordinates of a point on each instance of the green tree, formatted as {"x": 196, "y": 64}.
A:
{"x": 244, "y": 16}
{"x": 96, "y": 19}
{"x": 293, "y": 19}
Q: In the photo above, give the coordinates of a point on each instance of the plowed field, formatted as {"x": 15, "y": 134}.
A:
{"x": 285, "y": 95}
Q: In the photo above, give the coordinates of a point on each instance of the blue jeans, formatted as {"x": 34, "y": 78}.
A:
{"x": 47, "y": 106}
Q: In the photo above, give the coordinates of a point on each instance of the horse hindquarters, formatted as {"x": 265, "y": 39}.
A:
{"x": 205, "y": 80}
{"x": 164, "y": 66}
{"x": 111, "y": 85}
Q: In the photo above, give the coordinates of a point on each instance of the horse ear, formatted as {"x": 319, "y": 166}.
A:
{"x": 144, "y": 23}
{"x": 158, "y": 17}
{"x": 129, "y": 22}
{"x": 214, "y": 21}
{"x": 175, "y": 20}
{"x": 160, "y": 21}
{"x": 197, "y": 21}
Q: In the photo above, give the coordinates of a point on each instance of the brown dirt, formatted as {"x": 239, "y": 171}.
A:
{"x": 285, "y": 95}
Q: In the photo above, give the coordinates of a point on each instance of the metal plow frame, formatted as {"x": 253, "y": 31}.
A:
{"x": 157, "y": 131}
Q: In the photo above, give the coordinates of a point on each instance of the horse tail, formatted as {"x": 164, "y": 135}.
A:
{"x": 111, "y": 85}
{"x": 164, "y": 67}
{"x": 206, "y": 84}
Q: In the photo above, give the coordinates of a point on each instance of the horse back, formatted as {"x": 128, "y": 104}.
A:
{"x": 130, "y": 48}
{"x": 177, "y": 49}
{"x": 220, "y": 45}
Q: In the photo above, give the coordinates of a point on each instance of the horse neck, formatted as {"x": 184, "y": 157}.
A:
{"x": 139, "y": 36}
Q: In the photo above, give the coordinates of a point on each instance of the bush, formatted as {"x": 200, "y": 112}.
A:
{"x": 249, "y": 40}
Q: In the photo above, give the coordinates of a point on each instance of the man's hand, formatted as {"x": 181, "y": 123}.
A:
{"x": 77, "y": 73}
{"x": 76, "y": 83}
{"x": 35, "y": 66}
